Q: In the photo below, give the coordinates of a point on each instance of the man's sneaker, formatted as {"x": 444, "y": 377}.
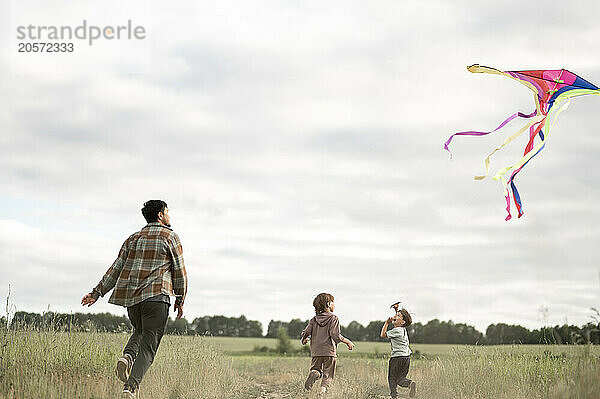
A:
{"x": 412, "y": 389}
{"x": 128, "y": 393}
{"x": 124, "y": 365}
{"x": 310, "y": 380}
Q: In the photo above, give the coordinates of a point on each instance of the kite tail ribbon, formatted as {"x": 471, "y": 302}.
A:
{"x": 527, "y": 157}
{"x": 531, "y": 151}
{"x": 534, "y": 131}
{"x": 476, "y": 133}
{"x": 513, "y": 186}
{"x": 486, "y": 161}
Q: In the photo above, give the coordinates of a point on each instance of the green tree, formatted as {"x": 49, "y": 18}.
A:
{"x": 26, "y": 320}
{"x": 201, "y": 325}
{"x": 432, "y": 332}
{"x": 218, "y": 326}
{"x": 591, "y": 333}
{"x": 355, "y": 331}
{"x": 415, "y": 333}
{"x": 273, "y": 328}
{"x": 227, "y": 326}
{"x": 501, "y": 333}
{"x": 254, "y": 328}
{"x": 295, "y": 327}
{"x": 179, "y": 327}
{"x": 284, "y": 344}
{"x": 467, "y": 335}
{"x": 372, "y": 331}
{"x": 247, "y": 328}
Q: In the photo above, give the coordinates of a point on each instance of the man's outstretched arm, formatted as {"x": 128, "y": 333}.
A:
{"x": 109, "y": 279}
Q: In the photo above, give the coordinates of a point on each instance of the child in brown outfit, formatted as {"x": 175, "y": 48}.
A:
{"x": 324, "y": 333}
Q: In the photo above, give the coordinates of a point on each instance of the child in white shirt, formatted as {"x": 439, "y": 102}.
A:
{"x": 400, "y": 356}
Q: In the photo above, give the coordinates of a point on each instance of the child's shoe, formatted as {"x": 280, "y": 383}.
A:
{"x": 128, "y": 393}
{"x": 310, "y": 380}
{"x": 412, "y": 389}
{"x": 322, "y": 392}
{"x": 124, "y": 365}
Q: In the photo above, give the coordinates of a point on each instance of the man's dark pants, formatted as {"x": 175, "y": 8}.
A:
{"x": 398, "y": 369}
{"x": 149, "y": 320}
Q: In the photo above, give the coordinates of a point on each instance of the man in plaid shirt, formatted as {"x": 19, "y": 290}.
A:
{"x": 148, "y": 269}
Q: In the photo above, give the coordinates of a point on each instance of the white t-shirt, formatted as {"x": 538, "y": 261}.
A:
{"x": 399, "y": 340}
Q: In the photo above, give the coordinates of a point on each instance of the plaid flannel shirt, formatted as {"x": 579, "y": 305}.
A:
{"x": 150, "y": 263}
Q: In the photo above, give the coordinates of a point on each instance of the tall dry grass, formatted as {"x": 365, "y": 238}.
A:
{"x": 516, "y": 372}
{"x": 527, "y": 372}
{"x": 51, "y": 364}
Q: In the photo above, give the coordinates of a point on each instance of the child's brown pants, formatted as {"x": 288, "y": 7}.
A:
{"x": 326, "y": 366}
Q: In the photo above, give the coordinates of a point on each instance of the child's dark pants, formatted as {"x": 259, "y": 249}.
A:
{"x": 149, "y": 320}
{"x": 326, "y": 366}
{"x": 397, "y": 374}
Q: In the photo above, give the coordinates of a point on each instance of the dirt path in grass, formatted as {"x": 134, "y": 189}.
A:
{"x": 270, "y": 392}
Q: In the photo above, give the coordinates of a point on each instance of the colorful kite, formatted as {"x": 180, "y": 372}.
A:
{"x": 553, "y": 90}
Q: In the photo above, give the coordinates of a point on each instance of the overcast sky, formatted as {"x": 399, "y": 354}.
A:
{"x": 299, "y": 146}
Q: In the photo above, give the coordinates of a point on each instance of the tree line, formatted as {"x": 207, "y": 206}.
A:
{"x": 448, "y": 332}
{"x": 432, "y": 332}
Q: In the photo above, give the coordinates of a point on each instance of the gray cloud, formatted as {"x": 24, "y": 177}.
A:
{"x": 300, "y": 150}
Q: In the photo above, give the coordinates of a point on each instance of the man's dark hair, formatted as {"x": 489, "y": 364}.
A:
{"x": 406, "y": 317}
{"x": 152, "y": 208}
{"x": 321, "y": 302}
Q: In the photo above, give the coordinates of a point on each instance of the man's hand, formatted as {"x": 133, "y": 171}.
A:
{"x": 88, "y": 300}
{"x": 179, "y": 309}
{"x": 350, "y": 345}
{"x": 304, "y": 341}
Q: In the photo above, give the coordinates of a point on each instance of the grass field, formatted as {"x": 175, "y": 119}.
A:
{"x": 81, "y": 365}
{"x": 242, "y": 346}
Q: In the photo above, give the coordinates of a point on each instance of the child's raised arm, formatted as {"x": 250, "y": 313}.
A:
{"x": 383, "y": 333}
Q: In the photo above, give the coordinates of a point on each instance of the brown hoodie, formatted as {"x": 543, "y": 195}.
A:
{"x": 324, "y": 333}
